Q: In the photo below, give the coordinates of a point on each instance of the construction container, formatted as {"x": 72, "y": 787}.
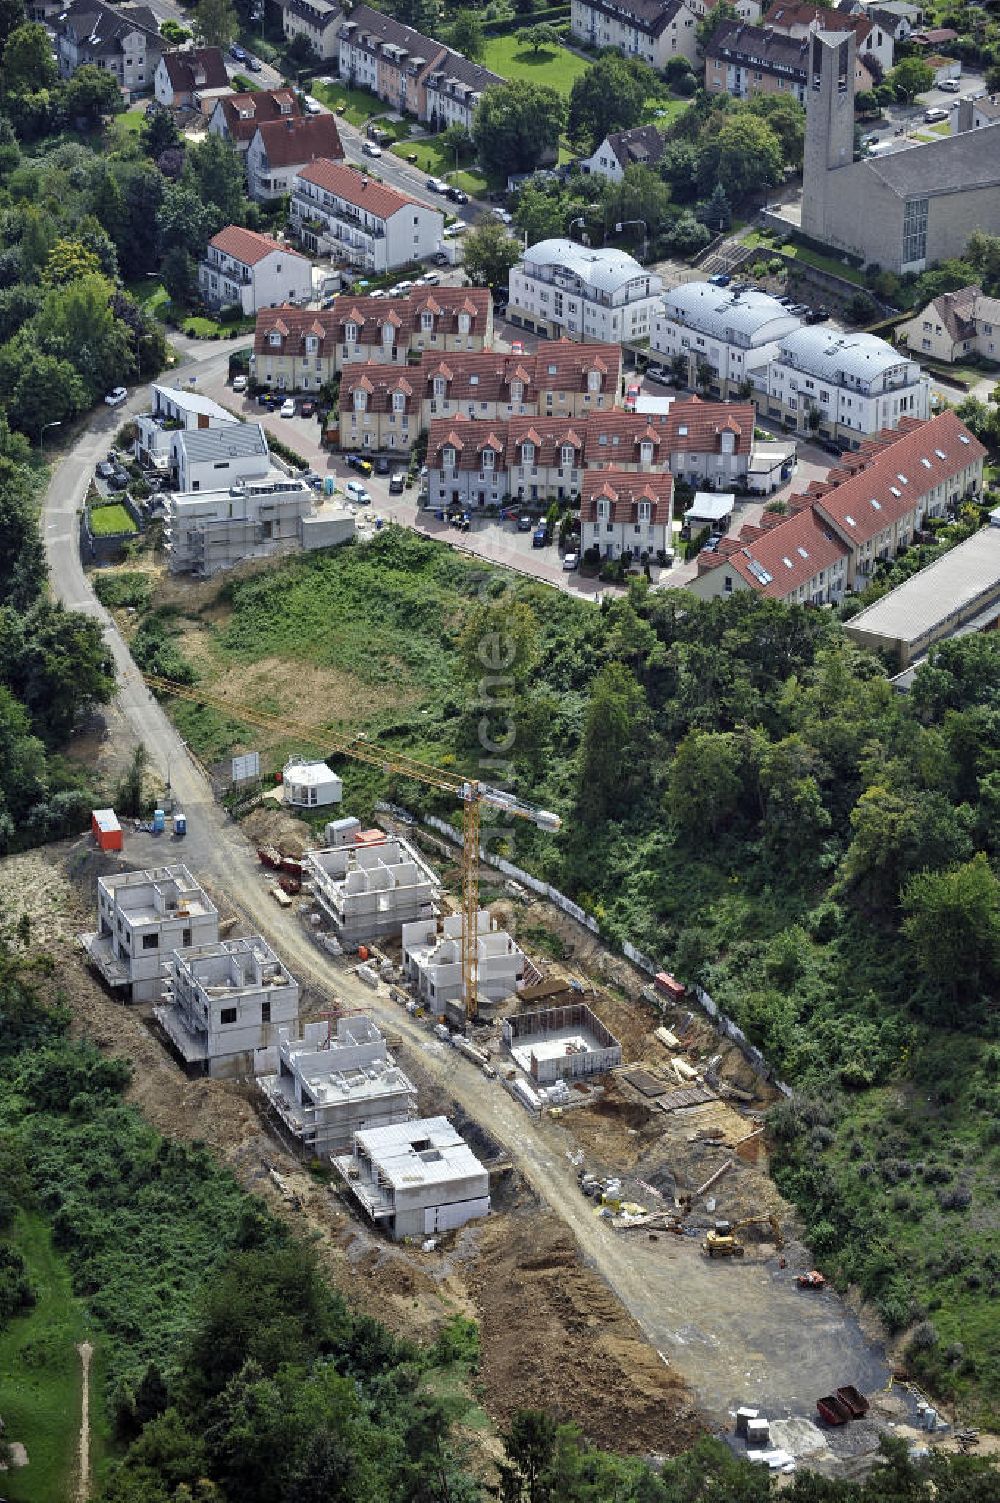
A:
{"x": 669, "y": 986}
{"x": 758, "y": 1433}
{"x": 362, "y": 952}
{"x": 105, "y": 829}
{"x": 743, "y": 1417}
{"x": 159, "y": 821}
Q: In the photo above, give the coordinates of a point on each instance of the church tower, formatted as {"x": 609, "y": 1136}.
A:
{"x": 829, "y": 140}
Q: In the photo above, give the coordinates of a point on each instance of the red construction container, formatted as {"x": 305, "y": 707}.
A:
{"x": 669, "y": 985}
{"x": 370, "y": 837}
{"x": 105, "y": 829}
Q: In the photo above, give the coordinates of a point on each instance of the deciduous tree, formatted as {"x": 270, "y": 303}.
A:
{"x": 517, "y": 125}
{"x": 490, "y": 252}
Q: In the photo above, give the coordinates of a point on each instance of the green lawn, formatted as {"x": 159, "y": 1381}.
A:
{"x": 40, "y": 1376}
{"x": 132, "y": 119}
{"x": 768, "y": 242}
{"x": 557, "y": 66}
{"x": 663, "y": 112}
{"x": 358, "y": 105}
{"x": 105, "y": 521}
{"x": 438, "y": 160}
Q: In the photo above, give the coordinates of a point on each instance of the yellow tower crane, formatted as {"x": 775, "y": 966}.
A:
{"x": 471, "y": 794}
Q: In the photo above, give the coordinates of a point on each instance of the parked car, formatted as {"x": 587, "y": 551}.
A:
{"x": 539, "y": 537}
{"x": 237, "y": 52}
{"x": 949, "y": 85}
{"x": 117, "y": 397}
{"x": 435, "y": 185}
{"x": 356, "y": 492}
{"x": 517, "y": 347}
{"x": 452, "y": 231}
{"x": 118, "y": 481}
{"x": 307, "y": 408}
{"x": 370, "y": 149}
{"x": 239, "y": 383}
{"x": 935, "y": 114}
{"x": 311, "y": 478}
{"x": 311, "y": 106}
{"x": 382, "y": 465}
{"x": 503, "y": 216}
{"x": 460, "y": 519}
{"x": 429, "y": 279}
{"x": 570, "y": 561}
{"x": 105, "y": 470}
{"x": 267, "y": 399}
{"x": 440, "y": 259}
{"x": 524, "y": 524}
{"x": 254, "y": 64}
{"x": 396, "y": 482}
{"x": 288, "y": 407}
{"x": 817, "y": 315}
{"x": 458, "y": 195}
{"x": 719, "y": 280}
{"x": 356, "y": 462}
{"x": 660, "y": 374}
{"x": 632, "y": 393}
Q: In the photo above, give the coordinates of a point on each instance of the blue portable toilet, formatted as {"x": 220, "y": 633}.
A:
{"x": 328, "y": 486}
{"x": 159, "y": 821}
{"x": 180, "y": 825}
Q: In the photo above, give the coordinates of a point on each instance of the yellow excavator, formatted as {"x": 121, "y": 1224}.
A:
{"x": 726, "y": 1244}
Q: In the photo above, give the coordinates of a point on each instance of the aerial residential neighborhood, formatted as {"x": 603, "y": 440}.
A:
{"x": 499, "y": 818}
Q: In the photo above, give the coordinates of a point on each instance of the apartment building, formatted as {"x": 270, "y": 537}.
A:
{"x": 334, "y": 1082}
{"x": 746, "y": 60}
{"x": 280, "y": 150}
{"x": 212, "y": 529}
{"x": 124, "y": 40}
{"x": 299, "y": 350}
{"x": 956, "y": 325}
{"x": 560, "y": 288}
{"x": 735, "y": 333}
{"x": 379, "y": 408}
{"x": 316, "y": 20}
{"x": 798, "y": 18}
{"x": 562, "y": 378}
{"x": 236, "y": 117}
{"x": 479, "y": 463}
{"x": 250, "y": 271}
{"x": 340, "y": 212}
{"x": 412, "y": 73}
{"x": 866, "y": 510}
{"x": 453, "y": 87}
{"x": 184, "y": 77}
{"x": 843, "y": 386}
{"x": 626, "y": 514}
{"x": 143, "y": 917}
{"x": 224, "y": 1002}
{"x": 653, "y": 30}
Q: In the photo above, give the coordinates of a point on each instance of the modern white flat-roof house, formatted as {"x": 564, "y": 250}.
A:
{"x": 225, "y": 1001}
{"x": 844, "y": 387}
{"x": 416, "y": 1178}
{"x": 143, "y": 917}
{"x": 561, "y": 288}
{"x": 331, "y": 1084}
{"x": 172, "y": 408}
{"x": 204, "y": 459}
{"x": 371, "y": 891}
{"x": 251, "y": 271}
{"x": 735, "y": 333}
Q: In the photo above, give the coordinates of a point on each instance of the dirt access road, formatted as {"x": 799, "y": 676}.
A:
{"x": 733, "y": 1330}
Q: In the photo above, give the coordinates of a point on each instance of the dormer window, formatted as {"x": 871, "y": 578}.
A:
{"x": 568, "y": 454}
{"x": 488, "y": 458}
{"x": 360, "y": 400}
{"x": 464, "y": 323}
{"x": 274, "y": 339}
{"x": 388, "y": 335}
{"x": 728, "y": 443}
{"x": 602, "y": 511}
{"x": 312, "y": 344}
{"x": 426, "y": 322}
{"x": 398, "y": 401}
{"x": 439, "y": 386}
{"x": 350, "y": 333}
{"x": 593, "y": 381}
{"x": 448, "y": 458}
{"x": 527, "y": 453}
{"x": 646, "y": 453}
{"x": 644, "y": 512}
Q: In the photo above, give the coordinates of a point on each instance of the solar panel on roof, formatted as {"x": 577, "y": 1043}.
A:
{"x": 788, "y": 563}
{"x": 940, "y": 454}
{"x": 802, "y": 553}
{"x": 877, "y": 505}
{"x": 964, "y": 438}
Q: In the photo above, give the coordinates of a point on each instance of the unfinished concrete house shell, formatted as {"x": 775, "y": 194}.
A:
{"x": 372, "y": 891}
{"x": 224, "y": 1002}
{"x": 331, "y": 1085}
{"x": 416, "y": 1178}
{"x": 432, "y": 960}
{"x": 143, "y": 917}
{"x": 561, "y": 1043}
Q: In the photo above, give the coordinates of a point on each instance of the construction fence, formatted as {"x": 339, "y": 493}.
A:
{"x": 724, "y": 1024}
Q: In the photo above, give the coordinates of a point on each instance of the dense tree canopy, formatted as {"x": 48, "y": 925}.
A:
{"x": 517, "y": 125}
